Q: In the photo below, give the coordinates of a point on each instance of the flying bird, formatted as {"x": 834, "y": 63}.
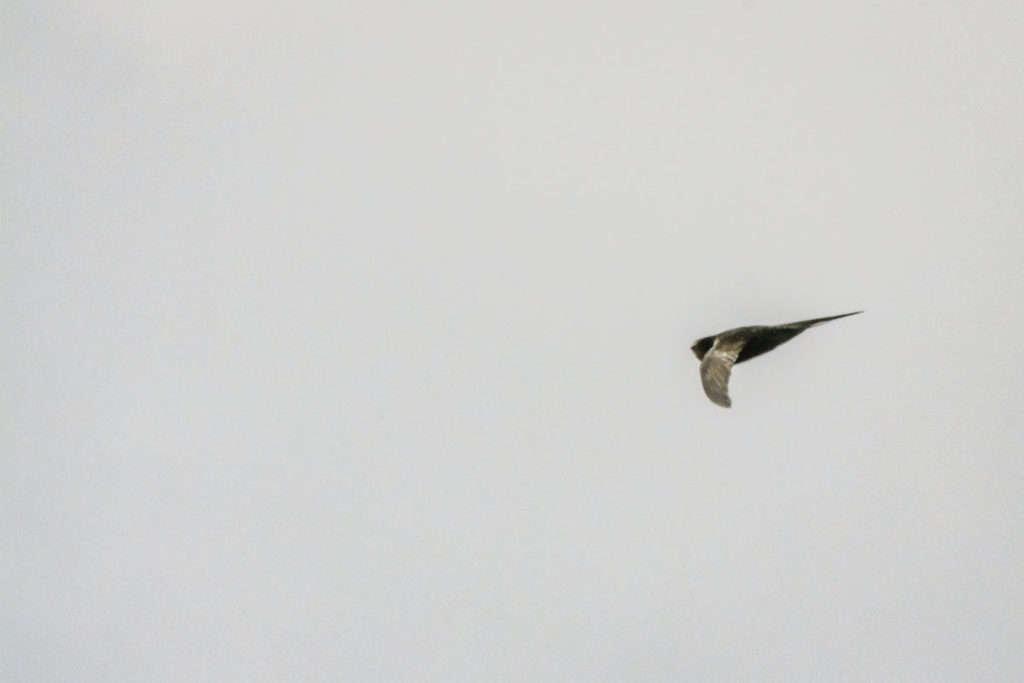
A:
{"x": 718, "y": 353}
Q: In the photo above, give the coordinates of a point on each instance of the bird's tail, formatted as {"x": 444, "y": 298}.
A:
{"x": 804, "y": 324}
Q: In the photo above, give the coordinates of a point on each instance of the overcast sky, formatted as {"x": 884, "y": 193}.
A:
{"x": 348, "y": 341}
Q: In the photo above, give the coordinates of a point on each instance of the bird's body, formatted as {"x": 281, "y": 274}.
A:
{"x": 718, "y": 353}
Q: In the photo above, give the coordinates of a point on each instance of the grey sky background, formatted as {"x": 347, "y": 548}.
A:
{"x": 349, "y": 341}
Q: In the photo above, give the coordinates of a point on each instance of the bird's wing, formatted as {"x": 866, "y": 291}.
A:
{"x": 804, "y": 324}
{"x": 715, "y": 369}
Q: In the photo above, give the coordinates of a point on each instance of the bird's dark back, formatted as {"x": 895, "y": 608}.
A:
{"x": 763, "y": 339}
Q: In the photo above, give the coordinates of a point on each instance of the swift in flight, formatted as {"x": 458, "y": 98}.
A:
{"x": 718, "y": 353}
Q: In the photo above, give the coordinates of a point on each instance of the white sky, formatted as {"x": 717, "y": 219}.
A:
{"x": 349, "y": 341}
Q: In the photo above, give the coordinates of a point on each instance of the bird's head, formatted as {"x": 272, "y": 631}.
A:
{"x": 701, "y": 346}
